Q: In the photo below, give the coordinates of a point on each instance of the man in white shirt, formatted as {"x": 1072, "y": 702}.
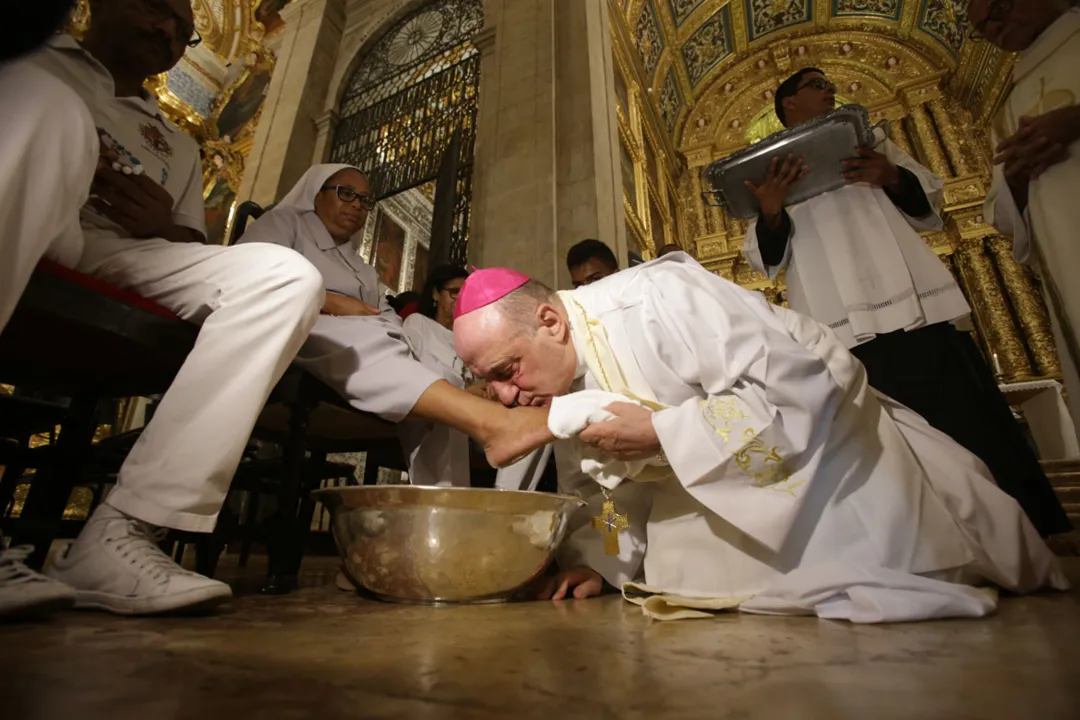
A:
{"x": 1037, "y": 158}
{"x": 855, "y": 262}
{"x": 143, "y": 230}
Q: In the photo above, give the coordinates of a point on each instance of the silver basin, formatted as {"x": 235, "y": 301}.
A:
{"x": 407, "y": 543}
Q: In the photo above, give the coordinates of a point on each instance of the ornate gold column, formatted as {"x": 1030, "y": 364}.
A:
{"x": 928, "y": 141}
{"x": 714, "y": 218}
{"x": 697, "y": 159}
{"x": 898, "y": 134}
{"x": 954, "y": 144}
{"x": 1026, "y": 297}
{"x": 696, "y": 205}
{"x": 992, "y": 311}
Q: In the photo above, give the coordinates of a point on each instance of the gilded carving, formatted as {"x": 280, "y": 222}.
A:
{"x": 897, "y": 131}
{"x": 889, "y": 9}
{"x": 710, "y": 249}
{"x": 926, "y": 137}
{"x": 79, "y": 22}
{"x": 708, "y": 45}
{"x": 650, "y": 42}
{"x": 939, "y": 241}
{"x": 1026, "y": 296}
{"x": 690, "y": 205}
{"x": 768, "y": 16}
{"x": 682, "y": 9}
{"x": 670, "y": 100}
{"x": 963, "y": 193}
{"x": 991, "y": 310}
{"x": 645, "y": 134}
{"x": 907, "y": 61}
{"x": 945, "y": 21}
{"x": 954, "y": 142}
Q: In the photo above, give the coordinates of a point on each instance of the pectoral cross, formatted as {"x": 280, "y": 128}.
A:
{"x": 610, "y": 523}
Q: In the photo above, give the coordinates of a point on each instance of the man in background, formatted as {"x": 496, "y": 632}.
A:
{"x": 1033, "y": 198}
{"x": 856, "y": 263}
{"x": 668, "y": 249}
{"x": 590, "y": 260}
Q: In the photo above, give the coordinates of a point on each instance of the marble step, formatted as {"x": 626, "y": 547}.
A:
{"x": 1056, "y": 467}
{"x": 1061, "y": 480}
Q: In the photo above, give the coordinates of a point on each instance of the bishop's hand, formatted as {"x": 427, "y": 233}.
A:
{"x": 578, "y": 583}
{"x": 630, "y": 435}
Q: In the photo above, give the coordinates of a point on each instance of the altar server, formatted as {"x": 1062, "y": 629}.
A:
{"x": 855, "y": 262}
{"x": 1036, "y": 133}
{"x": 750, "y": 463}
{"x": 358, "y": 345}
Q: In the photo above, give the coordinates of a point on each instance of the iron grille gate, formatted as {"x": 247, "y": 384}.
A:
{"x": 398, "y": 117}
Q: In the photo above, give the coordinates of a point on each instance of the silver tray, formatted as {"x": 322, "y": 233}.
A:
{"x": 822, "y": 143}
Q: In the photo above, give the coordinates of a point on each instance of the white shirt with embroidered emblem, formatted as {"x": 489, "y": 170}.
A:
{"x": 136, "y": 129}
{"x": 856, "y": 263}
{"x": 793, "y": 487}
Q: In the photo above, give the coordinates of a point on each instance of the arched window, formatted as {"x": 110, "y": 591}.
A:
{"x": 408, "y": 96}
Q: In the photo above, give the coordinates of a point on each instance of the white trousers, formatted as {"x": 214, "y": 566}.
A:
{"x": 48, "y": 151}
{"x": 256, "y": 304}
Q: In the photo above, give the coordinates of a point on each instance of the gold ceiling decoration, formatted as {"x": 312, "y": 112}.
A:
{"x": 707, "y": 70}
{"x": 869, "y": 68}
{"x": 228, "y": 27}
{"x": 685, "y": 47}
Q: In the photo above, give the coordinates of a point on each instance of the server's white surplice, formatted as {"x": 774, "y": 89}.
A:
{"x": 856, "y": 263}
{"x": 793, "y": 487}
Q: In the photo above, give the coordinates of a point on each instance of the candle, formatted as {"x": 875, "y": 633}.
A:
{"x": 997, "y": 365}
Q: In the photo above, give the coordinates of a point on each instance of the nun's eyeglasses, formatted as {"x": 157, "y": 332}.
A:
{"x": 347, "y": 195}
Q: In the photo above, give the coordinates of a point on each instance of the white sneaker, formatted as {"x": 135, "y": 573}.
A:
{"x": 116, "y": 565}
{"x": 25, "y": 592}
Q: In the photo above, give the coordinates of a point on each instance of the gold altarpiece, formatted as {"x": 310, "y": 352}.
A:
{"x": 939, "y": 104}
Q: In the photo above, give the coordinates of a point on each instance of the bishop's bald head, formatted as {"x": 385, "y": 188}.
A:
{"x": 516, "y": 336}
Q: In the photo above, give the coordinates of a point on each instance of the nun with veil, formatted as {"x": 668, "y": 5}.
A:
{"x": 358, "y": 346}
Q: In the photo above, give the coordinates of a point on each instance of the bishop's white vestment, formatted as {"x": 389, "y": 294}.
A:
{"x": 790, "y": 485}
{"x": 1047, "y": 233}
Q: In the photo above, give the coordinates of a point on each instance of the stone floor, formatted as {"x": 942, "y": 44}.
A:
{"x": 322, "y": 653}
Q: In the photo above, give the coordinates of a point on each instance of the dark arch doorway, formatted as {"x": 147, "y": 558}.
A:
{"x": 408, "y": 115}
